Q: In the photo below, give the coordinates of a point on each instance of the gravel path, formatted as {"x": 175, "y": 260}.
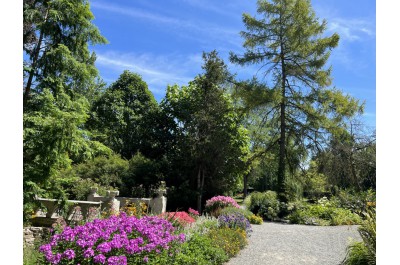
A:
{"x": 285, "y": 244}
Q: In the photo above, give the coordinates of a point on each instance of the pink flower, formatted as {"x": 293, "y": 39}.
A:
{"x": 194, "y": 212}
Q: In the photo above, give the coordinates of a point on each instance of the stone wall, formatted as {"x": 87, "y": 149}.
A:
{"x": 35, "y": 233}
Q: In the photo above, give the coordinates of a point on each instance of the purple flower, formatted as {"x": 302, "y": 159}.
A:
{"x": 88, "y": 253}
{"x": 146, "y": 259}
{"x": 104, "y": 247}
{"x": 117, "y": 260}
{"x": 56, "y": 258}
{"x": 69, "y": 254}
{"x": 99, "y": 259}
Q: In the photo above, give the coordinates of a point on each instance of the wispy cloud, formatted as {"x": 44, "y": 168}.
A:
{"x": 193, "y": 29}
{"x": 156, "y": 71}
{"x": 134, "y": 12}
{"x": 352, "y": 29}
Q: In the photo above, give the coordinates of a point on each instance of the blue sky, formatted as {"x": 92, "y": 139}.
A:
{"x": 163, "y": 41}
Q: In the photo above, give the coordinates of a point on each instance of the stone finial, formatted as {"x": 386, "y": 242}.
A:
{"x": 93, "y": 190}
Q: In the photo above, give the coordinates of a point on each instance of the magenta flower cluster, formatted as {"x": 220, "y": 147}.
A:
{"x": 111, "y": 241}
{"x": 193, "y": 212}
{"x": 221, "y": 201}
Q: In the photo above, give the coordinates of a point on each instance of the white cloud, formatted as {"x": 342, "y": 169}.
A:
{"x": 156, "y": 71}
{"x": 352, "y": 29}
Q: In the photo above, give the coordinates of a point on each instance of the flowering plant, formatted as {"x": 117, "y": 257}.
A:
{"x": 235, "y": 221}
{"x": 193, "y": 213}
{"x": 178, "y": 218}
{"x": 216, "y": 203}
{"x": 116, "y": 240}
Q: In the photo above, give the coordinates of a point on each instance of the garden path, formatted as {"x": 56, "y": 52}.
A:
{"x": 286, "y": 244}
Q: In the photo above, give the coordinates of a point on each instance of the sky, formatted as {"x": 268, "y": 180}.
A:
{"x": 163, "y": 41}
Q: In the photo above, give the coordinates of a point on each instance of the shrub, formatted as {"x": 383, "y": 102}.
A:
{"x": 32, "y": 256}
{"x": 265, "y": 204}
{"x": 357, "y": 254}
{"x": 254, "y": 219}
{"x": 235, "y": 220}
{"x": 364, "y": 252}
{"x": 217, "y": 203}
{"x": 199, "y": 250}
{"x": 230, "y": 240}
{"x": 318, "y": 214}
{"x": 120, "y": 239}
{"x": 202, "y": 226}
{"x": 357, "y": 202}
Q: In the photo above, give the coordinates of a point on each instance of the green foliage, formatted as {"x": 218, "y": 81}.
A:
{"x": 255, "y": 219}
{"x": 315, "y": 185}
{"x": 102, "y": 172}
{"x": 59, "y": 82}
{"x": 123, "y": 116}
{"x": 357, "y": 202}
{"x": 265, "y": 204}
{"x": 230, "y": 240}
{"x": 364, "y": 253}
{"x": 212, "y": 143}
{"x": 53, "y": 140}
{"x": 349, "y": 160}
{"x": 200, "y": 250}
{"x": 32, "y": 256}
{"x": 141, "y": 178}
{"x": 319, "y": 214}
{"x": 202, "y": 226}
{"x": 56, "y": 38}
{"x": 357, "y": 254}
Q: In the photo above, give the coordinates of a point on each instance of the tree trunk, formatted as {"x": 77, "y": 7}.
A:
{"x": 245, "y": 179}
{"x": 282, "y": 140}
{"x": 200, "y": 187}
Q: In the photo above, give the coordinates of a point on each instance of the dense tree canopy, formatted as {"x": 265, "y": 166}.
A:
{"x": 124, "y": 116}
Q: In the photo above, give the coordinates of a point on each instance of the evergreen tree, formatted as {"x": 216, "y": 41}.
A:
{"x": 212, "y": 143}
{"x": 125, "y": 115}
{"x": 287, "y": 42}
{"x": 59, "y": 80}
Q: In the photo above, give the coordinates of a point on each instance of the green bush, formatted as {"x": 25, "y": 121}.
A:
{"x": 32, "y": 256}
{"x": 265, "y": 204}
{"x": 254, "y": 219}
{"x": 199, "y": 250}
{"x": 354, "y": 201}
{"x": 317, "y": 214}
{"x": 357, "y": 254}
{"x": 364, "y": 253}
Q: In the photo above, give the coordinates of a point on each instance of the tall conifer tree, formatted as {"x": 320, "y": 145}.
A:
{"x": 287, "y": 41}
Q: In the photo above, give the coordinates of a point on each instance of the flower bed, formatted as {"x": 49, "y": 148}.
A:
{"x": 116, "y": 240}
